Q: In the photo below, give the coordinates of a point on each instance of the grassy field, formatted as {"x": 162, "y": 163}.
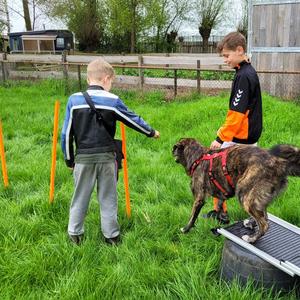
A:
{"x": 205, "y": 75}
{"x": 154, "y": 261}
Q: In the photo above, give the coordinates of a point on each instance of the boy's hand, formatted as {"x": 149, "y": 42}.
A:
{"x": 156, "y": 134}
{"x": 215, "y": 145}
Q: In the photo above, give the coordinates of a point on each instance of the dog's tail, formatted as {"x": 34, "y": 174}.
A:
{"x": 291, "y": 154}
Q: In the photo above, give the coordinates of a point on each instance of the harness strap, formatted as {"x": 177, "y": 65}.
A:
{"x": 211, "y": 157}
{"x": 225, "y": 170}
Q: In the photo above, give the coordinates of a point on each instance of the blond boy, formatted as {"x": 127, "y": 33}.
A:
{"x": 94, "y": 160}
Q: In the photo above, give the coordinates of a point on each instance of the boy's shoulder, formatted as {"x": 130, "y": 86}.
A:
{"x": 98, "y": 96}
{"x": 102, "y": 93}
{"x": 96, "y": 93}
{"x": 247, "y": 71}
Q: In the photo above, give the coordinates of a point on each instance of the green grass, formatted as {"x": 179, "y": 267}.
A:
{"x": 154, "y": 261}
{"x": 186, "y": 74}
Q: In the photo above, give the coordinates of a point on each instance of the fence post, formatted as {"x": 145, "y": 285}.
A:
{"x": 198, "y": 77}
{"x": 3, "y": 67}
{"x": 141, "y": 71}
{"x": 65, "y": 71}
{"x": 123, "y": 69}
{"x": 175, "y": 83}
{"x": 79, "y": 76}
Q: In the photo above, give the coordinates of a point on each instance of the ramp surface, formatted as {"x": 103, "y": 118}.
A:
{"x": 280, "y": 246}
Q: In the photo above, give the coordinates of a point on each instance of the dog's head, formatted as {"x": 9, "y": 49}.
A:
{"x": 186, "y": 151}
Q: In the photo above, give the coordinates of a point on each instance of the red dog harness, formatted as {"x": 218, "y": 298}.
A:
{"x": 211, "y": 157}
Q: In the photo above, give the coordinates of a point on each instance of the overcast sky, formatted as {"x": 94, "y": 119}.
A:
{"x": 187, "y": 28}
{"x": 18, "y": 23}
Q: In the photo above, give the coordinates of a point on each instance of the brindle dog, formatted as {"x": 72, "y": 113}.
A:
{"x": 258, "y": 175}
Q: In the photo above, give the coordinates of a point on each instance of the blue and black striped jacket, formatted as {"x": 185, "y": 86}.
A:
{"x": 81, "y": 125}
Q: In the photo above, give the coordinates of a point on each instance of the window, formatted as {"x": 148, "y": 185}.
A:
{"x": 60, "y": 43}
{"x": 15, "y": 44}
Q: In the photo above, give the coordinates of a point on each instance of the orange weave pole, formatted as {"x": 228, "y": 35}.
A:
{"x": 125, "y": 171}
{"x": 2, "y": 155}
{"x": 54, "y": 144}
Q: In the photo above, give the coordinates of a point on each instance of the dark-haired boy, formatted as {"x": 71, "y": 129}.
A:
{"x": 243, "y": 124}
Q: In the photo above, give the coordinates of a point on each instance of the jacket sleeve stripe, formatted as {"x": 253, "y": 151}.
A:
{"x": 68, "y": 138}
{"x": 123, "y": 116}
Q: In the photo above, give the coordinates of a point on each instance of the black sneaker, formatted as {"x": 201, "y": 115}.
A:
{"x": 76, "y": 239}
{"x": 113, "y": 241}
{"x": 223, "y": 218}
{"x": 213, "y": 214}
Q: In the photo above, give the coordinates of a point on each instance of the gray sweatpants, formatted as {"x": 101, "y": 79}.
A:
{"x": 85, "y": 177}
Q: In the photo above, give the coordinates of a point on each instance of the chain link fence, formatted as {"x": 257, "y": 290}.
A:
{"x": 172, "y": 81}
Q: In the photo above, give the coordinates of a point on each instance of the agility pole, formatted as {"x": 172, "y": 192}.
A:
{"x": 125, "y": 171}
{"x": 54, "y": 144}
{"x": 2, "y": 154}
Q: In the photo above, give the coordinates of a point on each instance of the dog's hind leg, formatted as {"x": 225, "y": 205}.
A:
{"x": 249, "y": 223}
{"x": 198, "y": 203}
{"x": 260, "y": 216}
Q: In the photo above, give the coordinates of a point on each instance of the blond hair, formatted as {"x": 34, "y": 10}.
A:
{"x": 98, "y": 69}
{"x": 231, "y": 41}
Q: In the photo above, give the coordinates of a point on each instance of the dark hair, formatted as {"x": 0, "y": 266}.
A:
{"x": 231, "y": 41}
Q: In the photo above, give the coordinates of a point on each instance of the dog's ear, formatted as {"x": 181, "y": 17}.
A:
{"x": 177, "y": 146}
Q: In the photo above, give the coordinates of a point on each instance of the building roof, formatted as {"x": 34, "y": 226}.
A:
{"x": 41, "y": 32}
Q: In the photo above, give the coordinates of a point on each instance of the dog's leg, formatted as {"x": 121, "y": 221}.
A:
{"x": 261, "y": 220}
{"x": 249, "y": 223}
{"x": 198, "y": 203}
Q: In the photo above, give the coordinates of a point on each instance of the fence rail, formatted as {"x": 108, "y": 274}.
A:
{"x": 70, "y": 67}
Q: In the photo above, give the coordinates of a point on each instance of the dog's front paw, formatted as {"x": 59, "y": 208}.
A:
{"x": 185, "y": 229}
{"x": 246, "y": 238}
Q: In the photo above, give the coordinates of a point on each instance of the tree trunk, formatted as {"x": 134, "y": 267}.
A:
{"x": 7, "y": 16}
{"x": 26, "y": 15}
{"x": 205, "y": 45}
{"x": 157, "y": 40}
{"x": 132, "y": 39}
{"x": 205, "y": 33}
{"x": 133, "y": 28}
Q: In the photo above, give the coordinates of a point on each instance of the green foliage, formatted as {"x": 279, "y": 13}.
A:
{"x": 120, "y": 26}
{"x": 205, "y": 75}
{"x": 154, "y": 261}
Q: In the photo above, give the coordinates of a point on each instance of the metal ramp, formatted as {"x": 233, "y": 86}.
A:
{"x": 280, "y": 246}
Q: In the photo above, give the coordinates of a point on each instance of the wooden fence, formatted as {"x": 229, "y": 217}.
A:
{"x": 274, "y": 44}
{"x": 41, "y": 65}
{"x": 71, "y": 66}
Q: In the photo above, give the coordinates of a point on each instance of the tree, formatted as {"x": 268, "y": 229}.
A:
{"x": 85, "y": 23}
{"x": 85, "y": 18}
{"x": 210, "y": 13}
{"x": 128, "y": 18}
{"x": 165, "y": 17}
{"x": 243, "y": 23}
{"x": 4, "y": 16}
{"x": 26, "y": 15}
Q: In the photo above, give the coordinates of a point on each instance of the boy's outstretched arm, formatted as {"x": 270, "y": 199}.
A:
{"x": 132, "y": 120}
